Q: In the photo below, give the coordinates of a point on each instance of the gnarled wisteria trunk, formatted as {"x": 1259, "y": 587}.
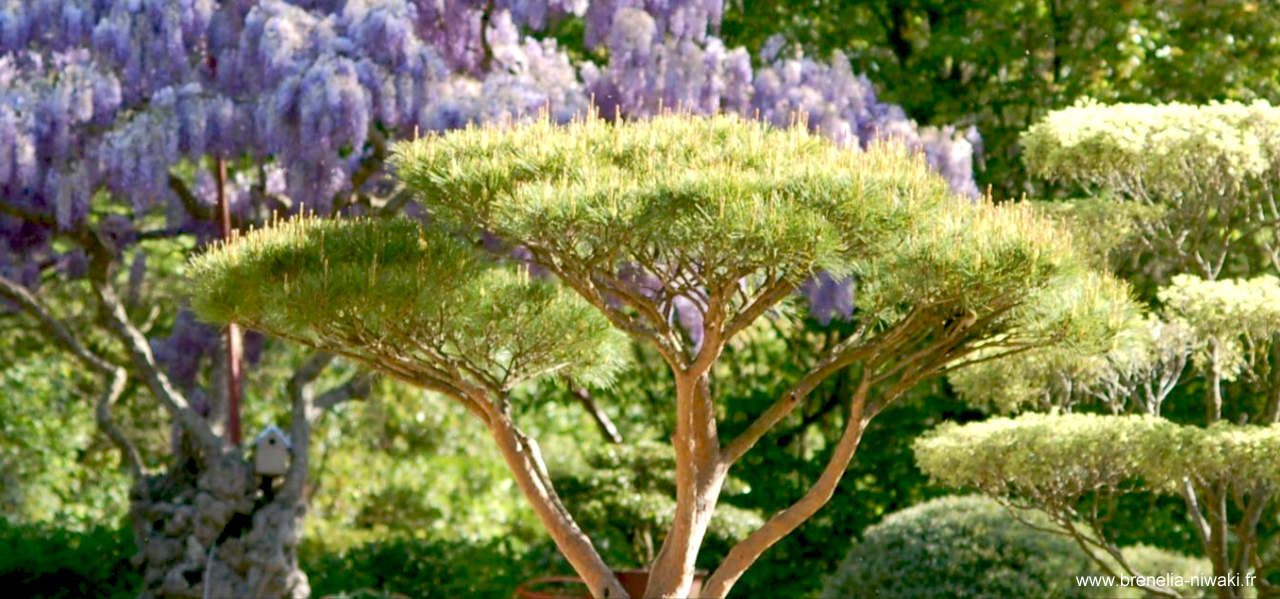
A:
{"x": 205, "y": 529}
{"x": 205, "y": 526}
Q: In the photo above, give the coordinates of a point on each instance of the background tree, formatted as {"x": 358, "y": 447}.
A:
{"x": 1002, "y": 66}
{"x": 644, "y": 219}
{"x": 1201, "y": 368}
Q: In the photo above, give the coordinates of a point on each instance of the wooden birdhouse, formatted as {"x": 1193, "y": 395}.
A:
{"x": 271, "y": 451}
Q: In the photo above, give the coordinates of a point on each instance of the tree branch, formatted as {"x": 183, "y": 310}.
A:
{"x": 357, "y": 387}
{"x": 1098, "y": 541}
{"x": 1272, "y": 414}
{"x": 393, "y": 204}
{"x": 27, "y": 215}
{"x": 114, "y": 376}
{"x": 300, "y": 391}
{"x": 115, "y": 386}
{"x": 1247, "y": 531}
{"x": 829, "y": 404}
{"x": 700, "y": 475}
{"x": 414, "y": 372}
{"x": 525, "y": 462}
{"x": 188, "y": 199}
{"x": 1066, "y": 527}
{"x": 839, "y": 357}
{"x": 52, "y": 327}
{"x": 626, "y": 323}
{"x": 140, "y": 352}
{"x": 602, "y": 420}
{"x": 745, "y": 553}
{"x": 773, "y": 293}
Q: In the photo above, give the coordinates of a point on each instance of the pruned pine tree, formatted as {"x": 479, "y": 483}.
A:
{"x": 680, "y": 232}
{"x": 1193, "y": 189}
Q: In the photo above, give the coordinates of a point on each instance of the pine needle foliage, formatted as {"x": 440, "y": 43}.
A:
{"x": 405, "y": 298}
{"x": 729, "y": 208}
{"x": 734, "y": 196}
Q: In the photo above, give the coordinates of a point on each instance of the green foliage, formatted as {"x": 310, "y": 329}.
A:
{"x": 1227, "y": 328}
{"x": 1003, "y": 65}
{"x": 1058, "y": 460}
{"x": 1062, "y": 457}
{"x": 426, "y": 568}
{"x": 1148, "y": 349}
{"x": 1241, "y": 456}
{"x": 54, "y": 466}
{"x": 1230, "y": 321}
{"x": 1196, "y": 191}
{"x": 963, "y": 547}
{"x": 1026, "y": 380}
{"x": 1209, "y": 170}
{"x": 1106, "y": 230}
{"x": 406, "y": 298}
{"x": 438, "y": 474}
{"x": 1167, "y": 151}
{"x": 48, "y": 562}
{"x": 626, "y": 497}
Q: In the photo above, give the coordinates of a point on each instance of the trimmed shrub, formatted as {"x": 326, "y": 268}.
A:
{"x": 961, "y": 547}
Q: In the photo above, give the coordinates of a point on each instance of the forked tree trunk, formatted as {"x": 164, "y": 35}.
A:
{"x": 700, "y": 475}
{"x": 204, "y": 529}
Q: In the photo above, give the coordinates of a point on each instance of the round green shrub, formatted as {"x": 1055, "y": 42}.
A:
{"x": 961, "y": 547}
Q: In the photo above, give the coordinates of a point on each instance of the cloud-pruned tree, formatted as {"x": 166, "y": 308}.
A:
{"x": 1194, "y": 193}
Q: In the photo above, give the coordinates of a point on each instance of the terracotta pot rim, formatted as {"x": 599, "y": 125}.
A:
{"x": 699, "y": 576}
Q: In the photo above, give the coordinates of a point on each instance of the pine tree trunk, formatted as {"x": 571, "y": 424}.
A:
{"x": 207, "y": 522}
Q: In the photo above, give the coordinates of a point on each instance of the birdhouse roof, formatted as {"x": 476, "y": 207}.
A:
{"x": 273, "y": 430}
